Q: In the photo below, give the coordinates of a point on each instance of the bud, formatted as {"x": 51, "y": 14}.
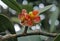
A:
{"x": 36, "y": 19}
{"x": 35, "y": 12}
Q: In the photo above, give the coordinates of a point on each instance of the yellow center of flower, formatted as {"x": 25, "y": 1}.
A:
{"x": 31, "y": 15}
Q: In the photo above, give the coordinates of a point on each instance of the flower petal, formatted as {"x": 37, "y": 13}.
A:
{"x": 35, "y": 12}
{"x": 36, "y": 19}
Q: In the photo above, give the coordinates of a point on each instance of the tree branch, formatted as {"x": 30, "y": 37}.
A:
{"x": 2, "y": 33}
{"x": 28, "y": 34}
{"x": 38, "y": 33}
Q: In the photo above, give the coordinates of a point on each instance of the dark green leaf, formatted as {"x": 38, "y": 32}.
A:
{"x": 57, "y": 38}
{"x": 27, "y": 7}
{"x": 12, "y": 4}
{"x": 6, "y": 24}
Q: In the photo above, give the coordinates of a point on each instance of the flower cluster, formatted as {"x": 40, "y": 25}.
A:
{"x": 29, "y": 19}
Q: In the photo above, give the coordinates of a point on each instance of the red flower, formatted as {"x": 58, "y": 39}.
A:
{"x": 29, "y": 19}
{"x": 21, "y": 17}
{"x": 29, "y": 23}
{"x": 37, "y": 19}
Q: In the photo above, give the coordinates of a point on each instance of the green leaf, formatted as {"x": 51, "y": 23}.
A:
{"x": 45, "y": 8}
{"x": 54, "y": 16}
{"x": 15, "y": 19}
{"x": 30, "y": 38}
{"x": 12, "y": 4}
{"x": 6, "y": 24}
{"x": 57, "y": 38}
{"x": 27, "y": 7}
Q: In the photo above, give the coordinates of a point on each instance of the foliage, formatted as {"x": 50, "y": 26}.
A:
{"x": 6, "y": 24}
{"x": 57, "y": 38}
{"x": 54, "y": 16}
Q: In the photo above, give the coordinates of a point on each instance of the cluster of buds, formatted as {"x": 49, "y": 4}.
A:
{"x": 29, "y": 19}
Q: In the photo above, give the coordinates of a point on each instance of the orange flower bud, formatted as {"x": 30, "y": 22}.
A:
{"x": 35, "y": 12}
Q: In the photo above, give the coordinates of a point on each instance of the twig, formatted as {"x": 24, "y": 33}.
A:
{"x": 38, "y": 33}
{"x": 2, "y": 33}
{"x": 28, "y": 34}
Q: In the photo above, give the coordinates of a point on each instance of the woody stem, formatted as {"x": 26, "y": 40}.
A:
{"x": 25, "y": 30}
